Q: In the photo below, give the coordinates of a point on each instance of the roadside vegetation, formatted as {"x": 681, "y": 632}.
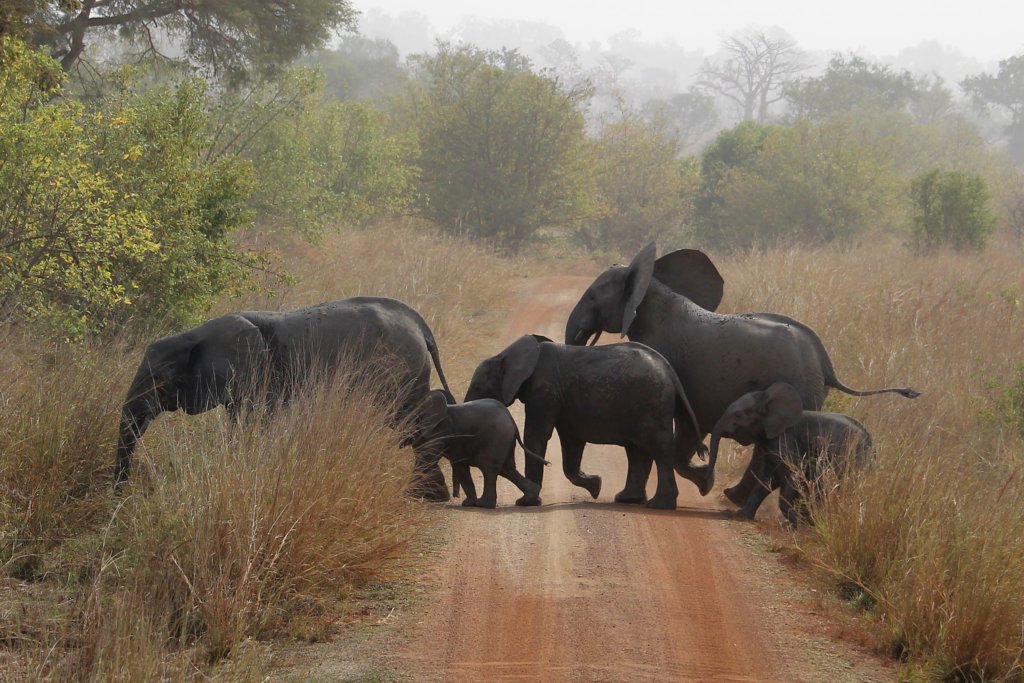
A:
{"x": 141, "y": 194}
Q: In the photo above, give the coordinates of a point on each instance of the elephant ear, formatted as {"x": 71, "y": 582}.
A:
{"x": 434, "y": 410}
{"x": 638, "y": 279}
{"x": 518, "y": 362}
{"x": 223, "y": 352}
{"x": 691, "y": 273}
{"x": 783, "y": 408}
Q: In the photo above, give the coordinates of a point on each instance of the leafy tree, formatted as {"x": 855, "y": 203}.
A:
{"x": 951, "y": 208}
{"x": 231, "y": 36}
{"x": 810, "y": 185}
{"x": 110, "y": 213}
{"x": 361, "y": 68}
{"x": 642, "y": 186}
{"x": 733, "y": 150}
{"x": 1004, "y": 91}
{"x": 688, "y": 116}
{"x": 502, "y": 147}
{"x": 317, "y": 161}
{"x": 853, "y": 83}
{"x": 753, "y": 71}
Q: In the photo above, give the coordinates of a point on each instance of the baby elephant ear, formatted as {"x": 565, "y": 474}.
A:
{"x": 518, "y": 363}
{"x": 691, "y": 273}
{"x": 783, "y": 408}
{"x": 435, "y": 409}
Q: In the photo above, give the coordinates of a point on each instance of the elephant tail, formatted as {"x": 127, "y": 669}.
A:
{"x": 827, "y": 369}
{"x": 435, "y": 356}
{"x": 685, "y": 410}
{"x": 529, "y": 453}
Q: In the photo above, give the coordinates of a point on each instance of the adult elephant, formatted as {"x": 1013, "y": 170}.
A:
{"x": 261, "y": 357}
{"x": 668, "y": 304}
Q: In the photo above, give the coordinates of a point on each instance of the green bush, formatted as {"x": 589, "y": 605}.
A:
{"x": 951, "y": 208}
{"x": 112, "y": 212}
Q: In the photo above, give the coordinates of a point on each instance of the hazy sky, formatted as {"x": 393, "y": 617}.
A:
{"x": 983, "y": 29}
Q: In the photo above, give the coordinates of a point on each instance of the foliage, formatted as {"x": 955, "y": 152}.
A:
{"x": 501, "y": 146}
{"x": 111, "y": 213}
{"x": 689, "y": 116}
{"x": 853, "y": 83}
{"x": 810, "y": 184}
{"x": 360, "y": 68}
{"x": 230, "y": 36}
{"x": 951, "y": 208}
{"x": 641, "y": 186}
{"x": 753, "y": 71}
{"x": 1004, "y": 90}
{"x": 316, "y": 161}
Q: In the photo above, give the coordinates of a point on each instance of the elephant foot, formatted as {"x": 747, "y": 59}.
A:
{"x": 467, "y": 503}
{"x": 490, "y": 504}
{"x": 528, "y": 501}
{"x": 708, "y": 484}
{"x": 734, "y": 496}
{"x": 744, "y": 513}
{"x": 661, "y": 503}
{"x": 627, "y": 498}
{"x": 590, "y": 482}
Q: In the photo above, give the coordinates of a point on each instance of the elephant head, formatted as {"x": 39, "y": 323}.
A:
{"x": 756, "y": 417}
{"x": 195, "y": 371}
{"x": 502, "y": 376}
{"x": 610, "y": 303}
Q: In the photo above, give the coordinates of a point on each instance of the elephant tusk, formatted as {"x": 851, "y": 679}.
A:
{"x": 597, "y": 335}
{"x": 581, "y": 335}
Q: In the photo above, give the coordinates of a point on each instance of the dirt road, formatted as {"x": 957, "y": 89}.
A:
{"x": 584, "y": 590}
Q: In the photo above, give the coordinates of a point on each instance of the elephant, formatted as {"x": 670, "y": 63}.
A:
{"x": 668, "y": 304}
{"x": 797, "y": 446}
{"x": 261, "y": 358}
{"x": 623, "y": 394}
{"x": 480, "y": 434}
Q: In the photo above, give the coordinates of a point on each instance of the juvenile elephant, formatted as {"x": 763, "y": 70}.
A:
{"x": 261, "y": 357}
{"x": 797, "y": 446}
{"x": 668, "y": 303}
{"x": 622, "y": 394}
{"x": 480, "y": 434}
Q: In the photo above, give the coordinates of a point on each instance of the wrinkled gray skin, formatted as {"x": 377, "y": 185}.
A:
{"x": 478, "y": 434}
{"x": 796, "y": 446}
{"x": 222, "y": 361}
{"x": 621, "y": 394}
{"x": 669, "y": 305}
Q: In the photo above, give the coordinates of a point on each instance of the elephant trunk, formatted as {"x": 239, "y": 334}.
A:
{"x": 709, "y": 481}
{"x": 141, "y": 406}
{"x": 577, "y": 329}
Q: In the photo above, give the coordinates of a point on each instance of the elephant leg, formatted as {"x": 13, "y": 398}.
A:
{"x": 428, "y": 481}
{"x": 667, "y": 492}
{"x": 739, "y": 492}
{"x": 461, "y": 473}
{"x": 510, "y": 472}
{"x": 754, "y": 500}
{"x": 790, "y": 504}
{"x": 635, "y": 490}
{"x": 685, "y": 448}
{"x": 535, "y": 438}
{"x": 572, "y": 456}
{"x": 490, "y": 497}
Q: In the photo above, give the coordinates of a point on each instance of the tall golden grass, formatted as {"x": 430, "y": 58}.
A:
{"x": 230, "y": 532}
{"x": 932, "y": 538}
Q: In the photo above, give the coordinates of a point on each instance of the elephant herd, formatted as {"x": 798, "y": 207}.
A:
{"x": 757, "y": 378}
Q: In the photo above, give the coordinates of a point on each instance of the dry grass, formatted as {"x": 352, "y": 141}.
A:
{"x": 932, "y": 538}
{"x": 229, "y": 533}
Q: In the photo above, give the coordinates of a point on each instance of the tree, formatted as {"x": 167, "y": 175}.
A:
{"x": 230, "y": 36}
{"x": 851, "y": 82}
{"x": 752, "y": 73}
{"x": 361, "y": 68}
{"x": 688, "y": 116}
{"x": 641, "y": 183}
{"x": 1005, "y": 91}
{"x": 951, "y": 208}
{"x": 502, "y": 147}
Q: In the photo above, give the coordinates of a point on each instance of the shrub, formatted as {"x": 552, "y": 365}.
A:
{"x": 951, "y": 208}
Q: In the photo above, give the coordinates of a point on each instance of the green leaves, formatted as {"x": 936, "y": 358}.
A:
{"x": 951, "y": 208}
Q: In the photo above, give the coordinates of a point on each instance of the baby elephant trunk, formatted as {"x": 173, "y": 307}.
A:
{"x": 709, "y": 481}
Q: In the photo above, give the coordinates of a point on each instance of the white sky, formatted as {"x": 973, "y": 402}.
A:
{"x": 984, "y": 29}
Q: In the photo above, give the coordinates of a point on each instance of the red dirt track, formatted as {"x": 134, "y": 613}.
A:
{"x": 585, "y": 590}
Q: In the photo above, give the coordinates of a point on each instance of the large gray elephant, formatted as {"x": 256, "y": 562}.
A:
{"x": 262, "y": 357}
{"x": 480, "y": 434}
{"x": 669, "y": 305}
{"x": 797, "y": 446}
{"x": 621, "y": 394}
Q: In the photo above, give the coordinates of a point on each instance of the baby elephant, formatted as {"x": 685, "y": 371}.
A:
{"x": 622, "y": 394}
{"x": 798, "y": 445}
{"x": 478, "y": 433}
